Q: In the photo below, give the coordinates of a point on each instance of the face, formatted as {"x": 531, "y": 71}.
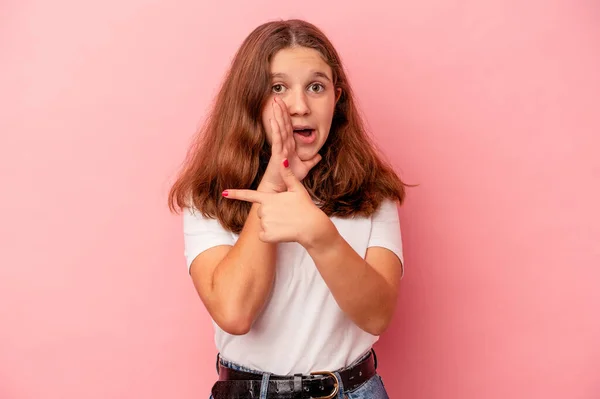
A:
{"x": 304, "y": 82}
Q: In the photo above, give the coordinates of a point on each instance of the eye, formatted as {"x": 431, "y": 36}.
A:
{"x": 277, "y": 88}
{"x": 317, "y": 87}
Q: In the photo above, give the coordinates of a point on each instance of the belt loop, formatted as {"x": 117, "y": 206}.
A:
{"x": 264, "y": 385}
{"x": 374, "y": 357}
{"x": 297, "y": 386}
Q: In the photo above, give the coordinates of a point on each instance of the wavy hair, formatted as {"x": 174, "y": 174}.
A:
{"x": 231, "y": 149}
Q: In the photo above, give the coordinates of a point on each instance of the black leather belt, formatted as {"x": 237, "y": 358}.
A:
{"x": 236, "y": 384}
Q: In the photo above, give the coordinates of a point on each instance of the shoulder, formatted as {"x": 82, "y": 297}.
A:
{"x": 385, "y": 229}
{"x": 387, "y": 210}
{"x": 195, "y": 220}
{"x": 202, "y": 233}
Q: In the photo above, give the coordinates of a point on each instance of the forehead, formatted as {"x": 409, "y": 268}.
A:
{"x": 299, "y": 61}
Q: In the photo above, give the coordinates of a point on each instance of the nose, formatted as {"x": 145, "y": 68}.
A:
{"x": 297, "y": 103}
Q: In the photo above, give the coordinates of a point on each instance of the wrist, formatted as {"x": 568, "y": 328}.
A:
{"x": 267, "y": 187}
{"x": 321, "y": 234}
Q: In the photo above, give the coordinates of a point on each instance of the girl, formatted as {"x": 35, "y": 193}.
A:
{"x": 292, "y": 235}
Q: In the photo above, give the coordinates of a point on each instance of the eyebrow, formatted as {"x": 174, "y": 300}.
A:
{"x": 315, "y": 74}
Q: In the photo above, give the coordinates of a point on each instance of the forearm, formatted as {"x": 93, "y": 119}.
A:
{"x": 360, "y": 291}
{"x": 244, "y": 278}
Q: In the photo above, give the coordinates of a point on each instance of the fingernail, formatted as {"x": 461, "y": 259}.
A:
{"x": 225, "y": 193}
{"x": 285, "y": 163}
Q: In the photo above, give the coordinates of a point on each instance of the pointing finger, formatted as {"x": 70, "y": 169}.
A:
{"x": 246, "y": 195}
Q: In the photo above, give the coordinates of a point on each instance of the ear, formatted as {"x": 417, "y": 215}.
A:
{"x": 338, "y": 94}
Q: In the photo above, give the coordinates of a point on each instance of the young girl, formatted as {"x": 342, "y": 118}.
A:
{"x": 292, "y": 235}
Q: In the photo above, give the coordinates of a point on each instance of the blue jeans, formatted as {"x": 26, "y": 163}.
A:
{"x": 371, "y": 389}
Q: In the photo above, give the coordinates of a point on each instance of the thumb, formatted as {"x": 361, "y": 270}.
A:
{"x": 311, "y": 163}
{"x": 291, "y": 181}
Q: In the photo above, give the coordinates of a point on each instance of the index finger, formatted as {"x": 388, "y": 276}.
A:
{"x": 276, "y": 142}
{"x": 245, "y": 195}
{"x": 287, "y": 120}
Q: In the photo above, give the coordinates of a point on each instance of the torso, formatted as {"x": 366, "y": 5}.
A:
{"x": 301, "y": 329}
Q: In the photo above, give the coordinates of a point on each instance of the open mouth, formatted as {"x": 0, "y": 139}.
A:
{"x": 305, "y": 134}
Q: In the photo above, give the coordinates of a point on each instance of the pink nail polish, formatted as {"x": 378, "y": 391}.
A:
{"x": 286, "y": 163}
{"x": 225, "y": 193}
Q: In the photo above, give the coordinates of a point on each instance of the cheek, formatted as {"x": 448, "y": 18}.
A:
{"x": 325, "y": 112}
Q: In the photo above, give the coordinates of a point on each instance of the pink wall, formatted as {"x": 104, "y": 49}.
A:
{"x": 492, "y": 107}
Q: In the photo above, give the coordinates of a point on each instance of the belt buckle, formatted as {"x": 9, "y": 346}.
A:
{"x": 336, "y": 387}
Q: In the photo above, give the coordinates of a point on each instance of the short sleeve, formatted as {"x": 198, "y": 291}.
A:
{"x": 201, "y": 233}
{"x": 385, "y": 229}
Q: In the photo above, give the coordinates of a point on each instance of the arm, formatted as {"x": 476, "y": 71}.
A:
{"x": 365, "y": 289}
{"x": 233, "y": 282}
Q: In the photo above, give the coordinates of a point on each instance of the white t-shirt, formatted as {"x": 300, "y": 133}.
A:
{"x": 302, "y": 328}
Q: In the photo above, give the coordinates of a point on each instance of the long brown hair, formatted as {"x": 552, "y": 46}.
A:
{"x": 231, "y": 150}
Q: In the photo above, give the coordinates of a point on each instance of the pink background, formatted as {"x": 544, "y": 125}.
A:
{"x": 492, "y": 107}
